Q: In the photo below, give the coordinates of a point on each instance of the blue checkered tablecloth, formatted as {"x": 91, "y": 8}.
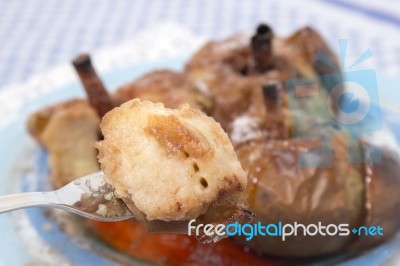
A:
{"x": 36, "y": 35}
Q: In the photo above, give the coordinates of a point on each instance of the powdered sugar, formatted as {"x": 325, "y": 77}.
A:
{"x": 245, "y": 128}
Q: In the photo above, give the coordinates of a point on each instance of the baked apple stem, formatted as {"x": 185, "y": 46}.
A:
{"x": 261, "y": 47}
{"x": 98, "y": 96}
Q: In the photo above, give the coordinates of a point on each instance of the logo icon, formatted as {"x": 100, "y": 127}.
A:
{"x": 346, "y": 101}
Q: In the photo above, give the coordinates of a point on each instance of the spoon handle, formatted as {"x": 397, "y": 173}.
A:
{"x": 26, "y": 200}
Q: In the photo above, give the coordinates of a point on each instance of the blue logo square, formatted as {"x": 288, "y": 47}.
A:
{"x": 346, "y": 101}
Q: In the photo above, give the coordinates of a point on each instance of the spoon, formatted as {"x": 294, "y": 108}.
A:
{"x": 92, "y": 197}
{"x": 89, "y": 196}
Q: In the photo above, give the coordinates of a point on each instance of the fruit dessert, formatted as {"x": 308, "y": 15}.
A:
{"x": 243, "y": 83}
{"x": 172, "y": 165}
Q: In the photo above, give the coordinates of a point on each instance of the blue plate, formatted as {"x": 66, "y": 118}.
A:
{"x": 35, "y": 235}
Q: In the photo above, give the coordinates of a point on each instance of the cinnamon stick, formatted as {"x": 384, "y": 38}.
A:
{"x": 272, "y": 96}
{"x": 276, "y": 121}
{"x": 98, "y": 96}
{"x": 261, "y": 47}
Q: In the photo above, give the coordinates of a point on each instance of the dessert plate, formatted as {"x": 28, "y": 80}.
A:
{"x": 40, "y": 236}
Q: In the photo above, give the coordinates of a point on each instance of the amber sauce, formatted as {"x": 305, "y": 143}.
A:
{"x": 131, "y": 237}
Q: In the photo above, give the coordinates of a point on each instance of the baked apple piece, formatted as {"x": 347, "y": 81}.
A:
{"x": 172, "y": 165}
{"x": 231, "y": 69}
{"x": 68, "y": 131}
{"x": 281, "y": 190}
{"x": 166, "y": 86}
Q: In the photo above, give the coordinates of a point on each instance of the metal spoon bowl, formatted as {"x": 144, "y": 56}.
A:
{"x": 89, "y": 196}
